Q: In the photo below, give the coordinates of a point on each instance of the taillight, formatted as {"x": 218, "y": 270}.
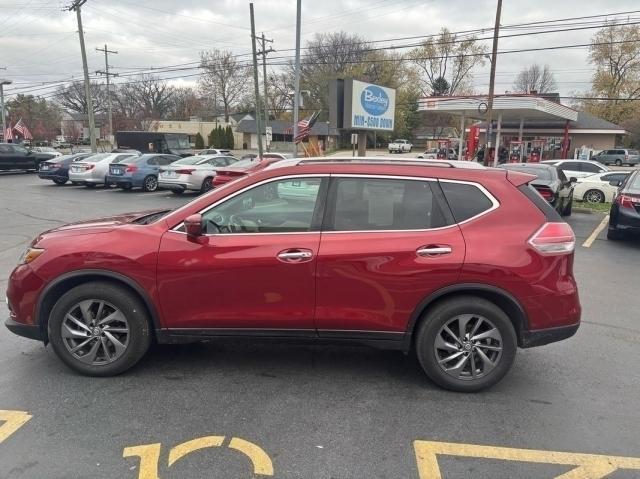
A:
{"x": 626, "y": 157}
{"x": 627, "y": 201}
{"x": 553, "y": 238}
{"x": 131, "y": 168}
{"x": 89, "y": 167}
{"x": 186, "y": 171}
{"x": 546, "y": 193}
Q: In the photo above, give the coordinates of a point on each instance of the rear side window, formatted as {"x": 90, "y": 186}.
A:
{"x": 543, "y": 205}
{"x": 465, "y": 201}
{"x": 374, "y": 204}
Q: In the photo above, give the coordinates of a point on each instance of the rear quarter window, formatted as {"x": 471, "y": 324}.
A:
{"x": 465, "y": 200}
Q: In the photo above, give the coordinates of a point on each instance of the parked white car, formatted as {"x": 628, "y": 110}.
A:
{"x": 429, "y": 154}
{"x": 93, "y": 170}
{"x": 400, "y": 146}
{"x": 193, "y": 173}
{"x": 578, "y": 168}
{"x": 596, "y": 188}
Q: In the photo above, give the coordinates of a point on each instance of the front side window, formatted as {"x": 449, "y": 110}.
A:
{"x": 282, "y": 206}
{"x": 374, "y": 204}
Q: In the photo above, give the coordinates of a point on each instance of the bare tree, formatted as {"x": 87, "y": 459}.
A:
{"x": 185, "y": 104}
{"x": 152, "y": 96}
{"x": 535, "y": 78}
{"x": 280, "y": 98}
{"x": 72, "y": 97}
{"x": 224, "y": 78}
{"x": 448, "y": 56}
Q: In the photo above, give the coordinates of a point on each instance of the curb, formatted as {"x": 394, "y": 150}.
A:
{"x": 588, "y": 211}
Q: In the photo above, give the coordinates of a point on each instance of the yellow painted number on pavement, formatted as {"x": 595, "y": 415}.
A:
{"x": 588, "y": 466}
{"x": 149, "y": 454}
{"x": 11, "y": 421}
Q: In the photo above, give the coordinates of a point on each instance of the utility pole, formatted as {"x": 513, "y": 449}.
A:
{"x": 76, "y": 7}
{"x": 3, "y": 82}
{"x": 107, "y": 74}
{"x": 255, "y": 80}
{"x": 492, "y": 82}
{"x": 264, "y": 52}
{"x": 296, "y": 84}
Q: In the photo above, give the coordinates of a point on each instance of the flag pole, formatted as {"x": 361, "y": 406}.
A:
{"x": 296, "y": 98}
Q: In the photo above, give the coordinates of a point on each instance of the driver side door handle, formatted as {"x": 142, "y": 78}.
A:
{"x": 295, "y": 255}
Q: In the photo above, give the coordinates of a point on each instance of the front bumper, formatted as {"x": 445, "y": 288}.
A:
{"x": 31, "y": 331}
{"x": 540, "y": 337}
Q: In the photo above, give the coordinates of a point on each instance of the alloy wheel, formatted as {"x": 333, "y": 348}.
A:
{"x": 151, "y": 183}
{"x": 468, "y": 347}
{"x": 95, "y": 332}
{"x": 594, "y": 196}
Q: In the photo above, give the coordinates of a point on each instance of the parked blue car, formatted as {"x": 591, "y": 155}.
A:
{"x": 57, "y": 169}
{"x": 139, "y": 171}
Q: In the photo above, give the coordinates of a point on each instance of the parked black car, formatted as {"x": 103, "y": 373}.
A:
{"x": 17, "y": 157}
{"x": 57, "y": 169}
{"x": 624, "y": 217}
{"x": 551, "y": 183}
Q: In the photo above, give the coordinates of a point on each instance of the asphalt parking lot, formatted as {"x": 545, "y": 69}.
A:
{"x": 240, "y": 409}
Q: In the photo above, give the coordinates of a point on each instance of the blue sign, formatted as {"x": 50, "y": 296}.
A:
{"x": 374, "y": 100}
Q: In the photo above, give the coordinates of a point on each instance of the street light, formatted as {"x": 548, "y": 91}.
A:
{"x": 3, "y": 82}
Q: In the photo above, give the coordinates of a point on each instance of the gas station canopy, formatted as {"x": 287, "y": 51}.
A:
{"x": 511, "y": 107}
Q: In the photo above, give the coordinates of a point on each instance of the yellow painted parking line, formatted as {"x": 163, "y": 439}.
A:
{"x": 13, "y": 420}
{"x": 149, "y": 454}
{"x": 587, "y": 466}
{"x": 188, "y": 447}
{"x": 603, "y": 224}
{"x": 261, "y": 462}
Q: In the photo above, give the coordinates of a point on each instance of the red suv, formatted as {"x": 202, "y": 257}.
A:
{"x": 461, "y": 263}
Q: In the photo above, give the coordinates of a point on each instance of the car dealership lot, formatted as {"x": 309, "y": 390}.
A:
{"x": 312, "y": 411}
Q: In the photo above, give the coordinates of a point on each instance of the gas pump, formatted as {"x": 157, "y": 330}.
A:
{"x": 536, "y": 151}
{"x": 443, "y": 149}
{"x": 515, "y": 151}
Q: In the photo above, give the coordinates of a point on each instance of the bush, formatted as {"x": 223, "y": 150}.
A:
{"x": 199, "y": 142}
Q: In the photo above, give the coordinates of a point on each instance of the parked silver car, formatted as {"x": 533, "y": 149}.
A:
{"x": 93, "y": 170}
{"x": 618, "y": 157}
{"x": 194, "y": 173}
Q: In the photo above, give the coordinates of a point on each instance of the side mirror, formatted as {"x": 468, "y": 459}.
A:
{"x": 193, "y": 225}
{"x": 616, "y": 183}
{"x": 573, "y": 179}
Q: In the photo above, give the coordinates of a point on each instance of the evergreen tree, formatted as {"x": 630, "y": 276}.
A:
{"x": 230, "y": 139}
{"x": 211, "y": 138}
{"x": 199, "y": 141}
{"x": 221, "y": 139}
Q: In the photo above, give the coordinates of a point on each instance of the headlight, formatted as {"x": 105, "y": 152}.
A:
{"x": 29, "y": 255}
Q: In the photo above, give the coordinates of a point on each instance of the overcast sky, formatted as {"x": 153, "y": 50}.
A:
{"x": 39, "y": 41}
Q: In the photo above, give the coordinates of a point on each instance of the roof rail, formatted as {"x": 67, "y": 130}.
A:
{"x": 392, "y": 161}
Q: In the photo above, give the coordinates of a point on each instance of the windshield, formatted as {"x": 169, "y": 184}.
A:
{"x": 190, "y": 160}
{"x": 97, "y": 157}
{"x": 541, "y": 173}
{"x": 178, "y": 142}
{"x": 245, "y": 163}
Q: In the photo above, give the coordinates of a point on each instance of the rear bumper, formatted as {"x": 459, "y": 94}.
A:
{"x": 540, "y": 337}
{"x": 178, "y": 184}
{"x": 52, "y": 175}
{"x": 624, "y": 219}
{"x": 31, "y": 331}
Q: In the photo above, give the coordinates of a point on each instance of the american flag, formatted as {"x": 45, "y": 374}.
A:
{"x": 23, "y": 130}
{"x": 8, "y": 134}
{"x": 304, "y": 127}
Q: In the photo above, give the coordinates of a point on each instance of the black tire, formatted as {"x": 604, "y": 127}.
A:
{"x": 567, "y": 209}
{"x": 60, "y": 182}
{"x": 150, "y": 183}
{"x": 177, "y": 191}
{"x": 614, "y": 235}
{"x": 443, "y": 312}
{"x": 207, "y": 185}
{"x": 593, "y": 194}
{"x": 129, "y": 305}
{"x": 618, "y": 162}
